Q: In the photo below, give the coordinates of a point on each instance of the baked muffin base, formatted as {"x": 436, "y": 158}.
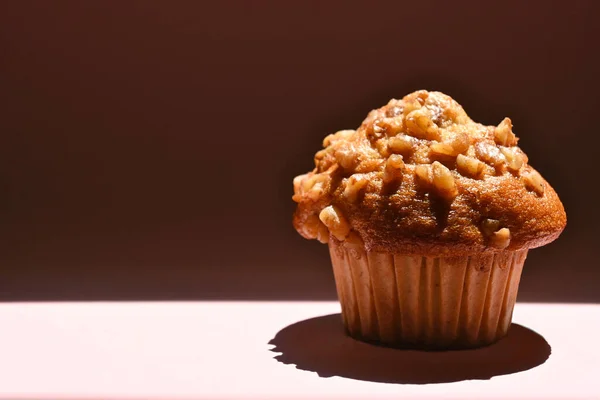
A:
{"x": 426, "y": 302}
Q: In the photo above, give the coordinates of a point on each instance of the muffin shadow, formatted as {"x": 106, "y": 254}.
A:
{"x": 321, "y": 345}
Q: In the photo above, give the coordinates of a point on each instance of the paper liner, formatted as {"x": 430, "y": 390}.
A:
{"x": 431, "y": 302}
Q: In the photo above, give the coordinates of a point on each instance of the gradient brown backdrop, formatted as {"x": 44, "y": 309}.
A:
{"x": 147, "y": 148}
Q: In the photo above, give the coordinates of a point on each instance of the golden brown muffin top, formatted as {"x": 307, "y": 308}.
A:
{"x": 420, "y": 177}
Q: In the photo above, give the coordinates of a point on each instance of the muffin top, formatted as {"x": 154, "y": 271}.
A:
{"x": 420, "y": 177}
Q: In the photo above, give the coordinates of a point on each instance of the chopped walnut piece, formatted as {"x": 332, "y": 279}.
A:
{"x": 369, "y": 165}
{"x": 391, "y": 126}
{"x": 310, "y": 185}
{"x": 313, "y": 185}
{"x": 501, "y": 238}
{"x": 459, "y": 142}
{"x": 514, "y": 160}
{"x": 354, "y": 185}
{"x": 533, "y": 181}
{"x": 452, "y": 145}
{"x": 420, "y": 125}
{"x": 382, "y": 147}
{"x": 498, "y": 237}
{"x": 376, "y": 130}
{"x": 402, "y": 144}
{"x": 441, "y": 149}
{"x": 319, "y": 155}
{"x": 316, "y": 191}
{"x": 298, "y": 182}
{"x": 469, "y": 166}
{"x": 423, "y": 174}
{"x": 311, "y": 225}
{"x": 346, "y": 157}
{"x": 410, "y": 106}
{"x": 347, "y": 134}
{"x": 394, "y": 110}
{"x": 489, "y": 154}
{"x": 489, "y": 226}
{"x": 503, "y": 134}
{"x": 443, "y": 181}
{"x": 322, "y": 233}
{"x": 394, "y": 167}
{"x": 333, "y": 219}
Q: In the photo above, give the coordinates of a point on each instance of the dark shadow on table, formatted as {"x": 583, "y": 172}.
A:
{"x": 320, "y": 345}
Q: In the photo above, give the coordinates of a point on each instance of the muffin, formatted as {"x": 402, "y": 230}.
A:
{"x": 429, "y": 217}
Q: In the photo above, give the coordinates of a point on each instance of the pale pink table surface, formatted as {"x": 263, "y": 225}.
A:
{"x": 220, "y": 350}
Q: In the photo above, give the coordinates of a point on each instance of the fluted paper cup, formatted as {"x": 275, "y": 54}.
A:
{"x": 429, "y": 302}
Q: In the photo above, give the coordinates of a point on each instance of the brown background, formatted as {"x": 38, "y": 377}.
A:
{"x": 147, "y": 148}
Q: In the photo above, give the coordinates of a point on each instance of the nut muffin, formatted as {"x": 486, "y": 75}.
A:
{"x": 429, "y": 217}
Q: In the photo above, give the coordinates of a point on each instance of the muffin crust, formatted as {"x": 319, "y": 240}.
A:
{"x": 420, "y": 177}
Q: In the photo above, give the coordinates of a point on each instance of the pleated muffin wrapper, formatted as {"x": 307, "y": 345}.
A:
{"x": 426, "y": 302}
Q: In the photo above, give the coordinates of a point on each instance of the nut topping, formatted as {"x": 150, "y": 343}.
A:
{"x": 503, "y": 134}
{"x": 469, "y": 166}
{"x": 442, "y": 149}
{"x": 333, "y": 219}
{"x": 489, "y": 226}
{"x": 514, "y": 160}
{"x": 401, "y": 144}
{"x": 443, "y": 181}
{"x": 533, "y": 181}
{"x": 420, "y": 125}
{"x": 393, "y": 169}
{"x": 423, "y": 174}
{"x": 489, "y": 154}
{"x": 418, "y": 174}
{"x": 500, "y": 239}
{"x": 355, "y": 183}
